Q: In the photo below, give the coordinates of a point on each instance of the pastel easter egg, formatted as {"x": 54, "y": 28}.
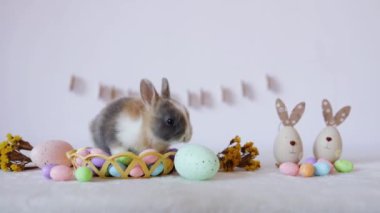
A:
{"x": 136, "y": 172}
{"x": 98, "y": 162}
{"x": 306, "y": 170}
{"x": 61, "y": 173}
{"x": 149, "y": 159}
{"x": 83, "y": 153}
{"x": 289, "y": 168}
{"x": 321, "y": 169}
{"x": 332, "y": 169}
{"x": 196, "y": 162}
{"x": 46, "y": 170}
{"x": 83, "y": 174}
{"x": 98, "y": 151}
{"x": 344, "y": 166}
{"x": 172, "y": 150}
{"x": 159, "y": 169}
{"x": 51, "y": 152}
{"x": 124, "y": 160}
{"x": 113, "y": 171}
{"x": 310, "y": 160}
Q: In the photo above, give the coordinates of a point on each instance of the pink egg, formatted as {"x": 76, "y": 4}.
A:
{"x": 136, "y": 172}
{"x": 98, "y": 151}
{"x": 51, "y": 152}
{"x": 289, "y": 168}
{"x": 61, "y": 173}
{"x": 149, "y": 159}
{"x": 332, "y": 168}
{"x": 83, "y": 153}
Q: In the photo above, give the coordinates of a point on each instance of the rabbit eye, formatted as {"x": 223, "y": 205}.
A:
{"x": 170, "y": 122}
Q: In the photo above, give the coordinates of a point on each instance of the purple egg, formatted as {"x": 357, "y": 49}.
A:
{"x": 98, "y": 162}
{"x": 310, "y": 160}
{"x": 172, "y": 150}
{"x": 46, "y": 170}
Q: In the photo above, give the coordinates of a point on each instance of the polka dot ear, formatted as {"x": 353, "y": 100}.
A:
{"x": 297, "y": 113}
{"x": 341, "y": 115}
{"x": 282, "y": 112}
{"x": 327, "y": 113}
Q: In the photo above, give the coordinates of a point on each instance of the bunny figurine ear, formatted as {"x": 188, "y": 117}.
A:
{"x": 328, "y": 113}
{"x": 282, "y": 112}
{"x": 297, "y": 113}
{"x": 341, "y": 115}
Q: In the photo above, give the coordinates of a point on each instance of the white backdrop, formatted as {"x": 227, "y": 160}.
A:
{"x": 315, "y": 49}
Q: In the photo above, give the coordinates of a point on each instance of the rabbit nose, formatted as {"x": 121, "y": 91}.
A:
{"x": 329, "y": 139}
{"x": 292, "y": 143}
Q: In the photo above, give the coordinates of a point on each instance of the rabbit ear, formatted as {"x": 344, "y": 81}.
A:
{"x": 341, "y": 115}
{"x": 165, "y": 90}
{"x": 328, "y": 113}
{"x": 148, "y": 92}
{"x": 282, "y": 112}
{"x": 297, "y": 113}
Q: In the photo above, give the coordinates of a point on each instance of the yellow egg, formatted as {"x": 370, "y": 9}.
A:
{"x": 307, "y": 170}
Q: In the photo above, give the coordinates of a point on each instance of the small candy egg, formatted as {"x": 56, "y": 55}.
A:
{"x": 136, "y": 172}
{"x": 289, "y": 168}
{"x": 149, "y": 159}
{"x": 196, "y": 162}
{"x": 98, "y": 162}
{"x": 332, "y": 169}
{"x": 113, "y": 171}
{"x": 61, "y": 173}
{"x": 124, "y": 160}
{"x": 306, "y": 170}
{"x": 311, "y": 160}
{"x": 83, "y": 153}
{"x": 344, "y": 166}
{"x": 159, "y": 169}
{"x": 83, "y": 174}
{"x": 98, "y": 151}
{"x": 172, "y": 150}
{"x": 321, "y": 169}
{"x": 46, "y": 170}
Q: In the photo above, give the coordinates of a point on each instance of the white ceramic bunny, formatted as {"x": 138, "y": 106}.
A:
{"x": 288, "y": 143}
{"x": 328, "y": 144}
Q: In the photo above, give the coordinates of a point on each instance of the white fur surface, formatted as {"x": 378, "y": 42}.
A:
{"x": 265, "y": 190}
{"x": 129, "y": 132}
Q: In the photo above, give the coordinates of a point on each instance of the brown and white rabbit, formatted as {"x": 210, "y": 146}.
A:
{"x": 328, "y": 144}
{"x": 288, "y": 144}
{"x": 135, "y": 124}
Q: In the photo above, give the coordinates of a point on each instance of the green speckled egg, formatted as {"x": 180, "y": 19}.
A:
{"x": 196, "y": 162}
{"x": 343, "y": 166}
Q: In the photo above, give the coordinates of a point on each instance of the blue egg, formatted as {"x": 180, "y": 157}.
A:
{"x": 196, "y": 162}
{"x": 321, "y": 169}
{"x": 113, "y": 171}
{"x": 158, "y": 170}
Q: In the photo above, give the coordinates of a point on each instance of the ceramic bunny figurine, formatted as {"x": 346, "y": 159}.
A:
{"x": 328, "y": 144}
{"x": 288, "y": 144}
